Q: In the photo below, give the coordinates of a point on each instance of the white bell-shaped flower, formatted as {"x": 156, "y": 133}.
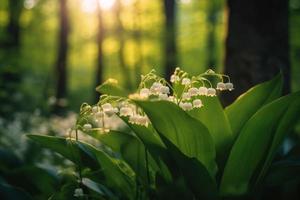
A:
{"x": 133, "y": 119}
{"x": 126, "y": 111}
{"x": 144, "y": 93}
{"x": 95, "y": 109}
{"x": 107, "y": 106}
{"x": 203, "y": 91}
{"x": 163, "y": 96}
{"x": 142, "y": 120}
{"x": 78, "y": 192}
{"x": 211, "y": 92}
{"x": 197, "y": 103}
{"x": 155, "y": 88}
{"x": 186, "y": 81}
{"x": 185, "y": 96}
{"x": 99, "y": 114}
{"x": 221, "y": 86}
{"x": 165, "y": 90}
{"x": 174, "y": 78}
{"x": 193, "y": 91}
{"x": 87, "y": 126}
{"x": 186, "y": 105}
{"x": 229, "y": 86}
{"x": 171, "y": 99}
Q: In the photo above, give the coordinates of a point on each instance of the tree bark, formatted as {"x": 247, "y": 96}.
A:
{"x": 257, "y": 44}
{"x": 61, "y": 63}
{"x": 170, "y": 38}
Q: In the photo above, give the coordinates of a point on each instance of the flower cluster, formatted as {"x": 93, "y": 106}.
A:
{"x": 183, "y": 90}
{"x": 102, "y": 113}
{"x": 186, "y": 91}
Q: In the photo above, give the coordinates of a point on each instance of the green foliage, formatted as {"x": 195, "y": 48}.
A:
{"x": 174, "y": 154}
{"x": 248, "y": 103}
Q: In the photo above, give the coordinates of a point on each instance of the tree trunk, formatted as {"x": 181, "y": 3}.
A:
{"x": 211, "y": 34}
{"x": 138, "y": 38}
{"x": 170, "y": 37}
{"x": 121, "y": 52}
{"x": 100, "y": 63}
{"x": 61, "y": 63}
{"x": 257, "y": 44}
{"x": 13, "y": 28}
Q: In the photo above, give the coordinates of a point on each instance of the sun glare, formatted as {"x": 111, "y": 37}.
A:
{"x": 90, "y": 6}
{"x": 106, "y": 4}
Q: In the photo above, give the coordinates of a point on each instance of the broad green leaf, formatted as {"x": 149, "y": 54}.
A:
{"x": 114, "y": 139}
{"x": 189, "y": 135}
{"x": 154, "y": 145}
{"x": 286, "y": 124}
{"x": 214, "y": 118}
{"x": 240, "y": 111}
{"x": 194, "y": 172}
{"x": 132, "y": 151}
{"x": 252, "y": 146}
{"x": 67, "y": 148}
{"x": 111, "y": 87}
{"x": 115, "y": 176}
{"x": 22, "y": 177}
{"x": 98, "y": 188}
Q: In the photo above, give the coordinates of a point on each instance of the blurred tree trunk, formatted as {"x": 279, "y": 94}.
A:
{"x": 61, "y": 62}
{"x": 170, "y": 37}
{"x": 138, "y": 39}
{"x": 11, "y": 71}
{"x": 257, "y": 44}
{"x": 12, "y": 32}
{"x": 13, "y": 27}
{"x": 211, "y": 34}
{"x": 121, "y": 52}
{"x": 100, "y": 63}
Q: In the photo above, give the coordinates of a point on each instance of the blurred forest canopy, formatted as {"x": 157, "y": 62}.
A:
{"x": 64, "y": 48}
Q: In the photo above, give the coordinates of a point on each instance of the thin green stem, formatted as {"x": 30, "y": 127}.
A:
{"x": 147, "y": 165}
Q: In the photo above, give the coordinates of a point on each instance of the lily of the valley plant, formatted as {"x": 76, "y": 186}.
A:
{"x": 177, "y": 141}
